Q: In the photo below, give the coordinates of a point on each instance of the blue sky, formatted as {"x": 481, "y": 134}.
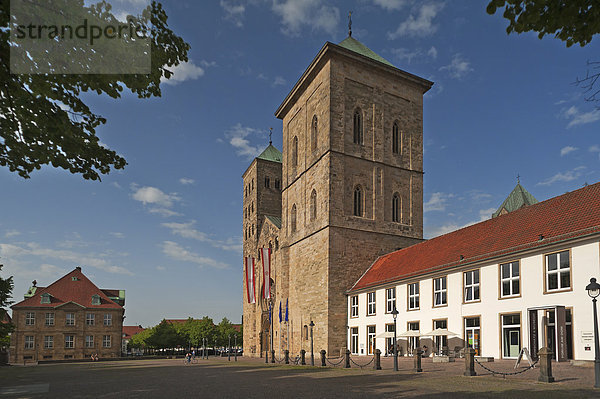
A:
{"x": 167, "y": 229}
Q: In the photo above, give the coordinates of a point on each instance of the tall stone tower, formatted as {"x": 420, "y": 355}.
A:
{"x": 352, "y": 181}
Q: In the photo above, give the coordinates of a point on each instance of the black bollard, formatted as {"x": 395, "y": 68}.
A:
{"x": 272, "y": 356}
{"x": 347, "y": 365}
{"x": 417, "y": 364}
{"x": 266, "y": 356}
{"x": 470, "y": 362}
{"x": 323, "y": 358}
{"x": 545, "y": 355}
{"x": 377, "y": 365}
{"x": 303, "y": 357}
{"x": 287, "y": 356}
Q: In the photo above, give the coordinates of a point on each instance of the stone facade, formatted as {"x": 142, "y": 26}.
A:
{"x": 323, "y": 248}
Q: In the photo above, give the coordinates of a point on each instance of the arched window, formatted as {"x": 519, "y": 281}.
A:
{"x": 314, "y": 131}
{"x": 267, "y": 182}
{"x": 358, "y": 126}
{"x": 358, "y": 201}
{"x": 305, "y": 329}
{"x": 313, "y": 205}
{"x": 293, "y": 218}
{"x": 395, "y": 138}
{"x": 396, "y": 208}
{"x": 295, "y": 152}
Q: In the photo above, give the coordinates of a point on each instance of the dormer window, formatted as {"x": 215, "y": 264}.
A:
{"x": 96, "y": 299}
{"x": 45, "y": 298}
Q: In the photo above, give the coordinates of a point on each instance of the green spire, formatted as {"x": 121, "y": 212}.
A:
{"x": 271, "y": 154}
{"x": 518, "y": 198}
{"x": 352, "y": 44}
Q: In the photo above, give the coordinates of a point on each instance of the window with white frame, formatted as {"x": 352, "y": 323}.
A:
{"x": 69, "y": 341}
{"x": 89, "y": 341}
{"x": 509, "y": 279}
{"x": 108, "y": 319}
{"x": 558, "y": 271}
{"x": 48, "y": 341}
{"x": 354, "y": 306}
{"x": 471, "y": 284}
{"x": 354, "y": 340}
{"x": 106, "y": 341}
{"x": 49, "y": 319}
{"x": 70, "y": 319}
{"x": 29, "y": 342}
{"x": 371, "y": 304}
{"x": 30, "y": 319}
{"x": 90, "y": 319}
{"x": 440, "y": 291}
{"x": 390, "y": 299}
{"x": 413, "y": 296}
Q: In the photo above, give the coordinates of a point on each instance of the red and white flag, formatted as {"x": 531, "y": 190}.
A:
{"x": 250, "y": 287}
{"x": 266, "y": 262}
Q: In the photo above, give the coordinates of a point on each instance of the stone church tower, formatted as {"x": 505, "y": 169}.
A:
{"x": 352, "y": 189}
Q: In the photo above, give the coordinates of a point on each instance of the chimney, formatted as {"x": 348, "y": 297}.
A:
{"x": 78, "y": 268}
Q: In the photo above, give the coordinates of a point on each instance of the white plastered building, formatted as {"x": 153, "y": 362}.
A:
{"x": 511, "y": 282}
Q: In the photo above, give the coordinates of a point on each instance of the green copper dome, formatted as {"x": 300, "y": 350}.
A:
{"x": 518, "y": 198}
{"x": 271, "y": 154}
{"x": 354, "y": 45}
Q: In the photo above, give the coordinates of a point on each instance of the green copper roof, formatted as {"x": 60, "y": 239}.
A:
{"x": 518, "y": 198}
{"x": 271, "y": 154}
{"x": 354, "y": 45}
{"x": 275, "y": 220}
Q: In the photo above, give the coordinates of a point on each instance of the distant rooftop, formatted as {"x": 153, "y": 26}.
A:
{"x": 517, "y": 199}
{"x": 352, "y": 44}
{"x": 271, "y": 154}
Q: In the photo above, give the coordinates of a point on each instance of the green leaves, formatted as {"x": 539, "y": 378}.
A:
{"x": 572, "y": 21}
{"x": 6, "y": 287}
{"x": 43, "y": 120}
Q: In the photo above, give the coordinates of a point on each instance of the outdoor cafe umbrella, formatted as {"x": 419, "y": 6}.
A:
{"x": 387, "y": 334}
{"x": 439, "y": 332}
{"x": 410, "y": 333}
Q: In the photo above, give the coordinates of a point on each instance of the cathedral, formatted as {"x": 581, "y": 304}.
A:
{"x": 346, "y": 188}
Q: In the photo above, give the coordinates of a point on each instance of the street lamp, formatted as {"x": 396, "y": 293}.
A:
{"x": 395, "y": 314}
{"x": 235, "y": 344}
{"x": 229, "y": 349}
{"x": 593, "y": 289}
{"x": 312, "y": 353}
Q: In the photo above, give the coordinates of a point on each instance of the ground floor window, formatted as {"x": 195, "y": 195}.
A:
{"x": 354, "y": 340}
{"x": 389, "y": 341}
{"x": 48, "y": 341}
{"x": 473, "y": 334}
{"x": 413, "y": 342}
{"x": 440, "y": 341}
{"x": 370, "y": 340}
{"x": 511, "y": 335}
{"x": 29, "y": 343}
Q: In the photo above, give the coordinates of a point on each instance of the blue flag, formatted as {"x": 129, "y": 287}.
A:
{"x": 286, "y": 310}
{"x": 280, "y": 311}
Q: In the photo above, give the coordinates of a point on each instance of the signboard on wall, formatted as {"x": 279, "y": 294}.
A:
{"x": 561, "y": 333}
{"x": 533, "y": 333}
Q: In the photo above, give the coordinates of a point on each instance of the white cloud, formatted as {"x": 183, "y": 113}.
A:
{"x": 404, "y": 54}
{"x": 164, "y": 212}
{"x": 580, "y": 118}
{"x": 567, "y": 150}
{"x": 458, "y": 67}
{"x": 485, "y": 214}
{"x": 182, "y": 72}
{"x": 279, "y": 81}
{"x": 390, "y": 5}
{"x": 12, "y": 233}
{"x": 594, "y": 148}
{"x": 11, "y": 252}
{"x": 117, "y": 234}
{"x": 237, "y": 137}
{"x": 186, "y": 230}
{"x": 177, "y": 252}
{"x": 432, "y": 52}
{"x": 421, "y": 25}
{"x": 567, "y": 176}
{"x": 233, "y": 12}
{"x": 186, "y": 180}
{"x": 161, "y": 268}
{"x": 295, "y": 14}
{"x": 437, "y": 202}
{"x": 441, "y": 230}
{"x": 154, "y": 196}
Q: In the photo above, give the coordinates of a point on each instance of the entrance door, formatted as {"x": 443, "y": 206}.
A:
{"x": 472, "y": 334}
{"x": 514, "y": 339}
{"x": 511, "y": 335}
{"x": 440, "y": 341}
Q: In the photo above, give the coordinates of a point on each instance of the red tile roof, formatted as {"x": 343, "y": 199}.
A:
{"x": 572, "y": 215}
{"x": 130, "y": 331}
{"x": 74, "y": 287}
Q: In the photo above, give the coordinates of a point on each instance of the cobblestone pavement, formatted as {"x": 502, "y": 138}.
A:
{"x": 252, "y": 378}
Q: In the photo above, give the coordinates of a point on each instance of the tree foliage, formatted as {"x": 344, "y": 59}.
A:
{"x": 6, "y": 287}
{"x": 164, "y": 336}
{"x": 572, "y": 21}
{"x": 43, "y": 118}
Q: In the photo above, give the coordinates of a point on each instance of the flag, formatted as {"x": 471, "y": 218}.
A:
{"x": 286, "y": 310}
{"x": 250, "y": 288}
{"x": 279, "y": 311}
{"x": 266, "y": 262}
